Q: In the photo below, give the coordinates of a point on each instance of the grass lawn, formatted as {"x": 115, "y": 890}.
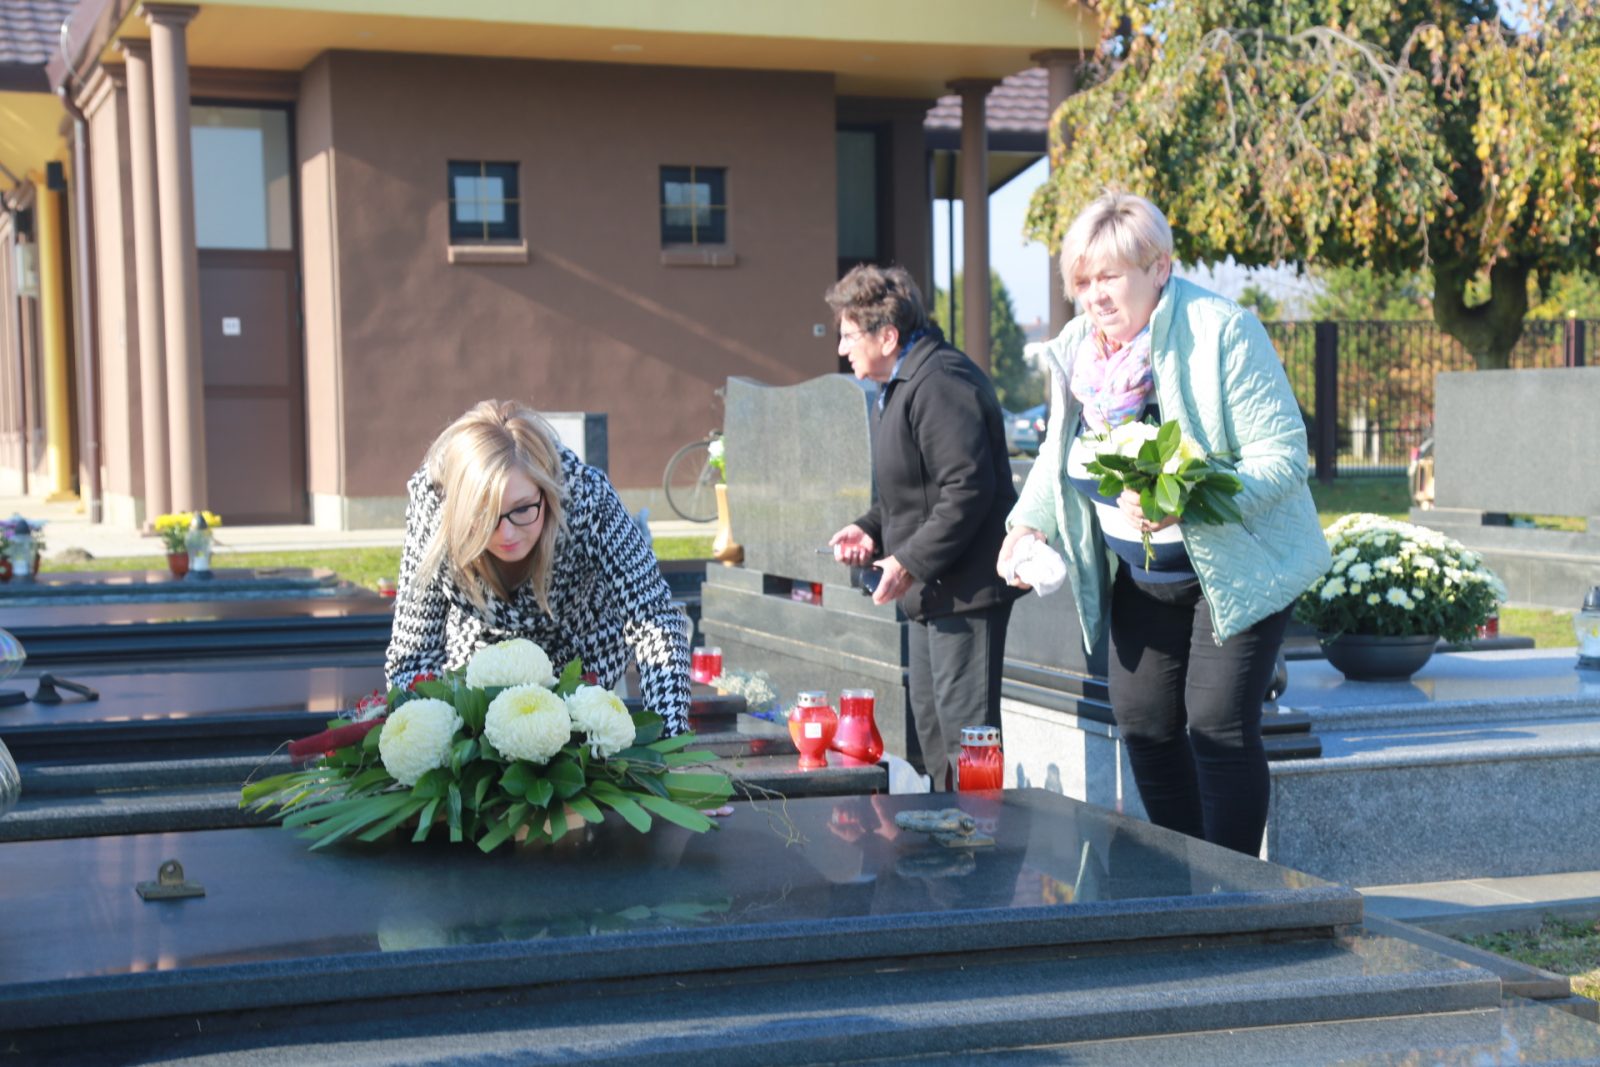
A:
{"x": 363, "y": 566}
{"x": 1388, "y": 495}
{"x": 1570, "y": 948}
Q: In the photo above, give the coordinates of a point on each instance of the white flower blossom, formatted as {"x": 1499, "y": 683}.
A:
{"x": 1361, "y": 572}
{"x": 416, "y": 738}
{"x": 528, "y": 722}
{"x": 1334, "y": 587}
{"x": 1374, "y": 599}
{"x": 1398, "y": 598}
{"x": 515, "y": 662}
{"x": 603, "y": 718}
{"x": 1188, "y": 449}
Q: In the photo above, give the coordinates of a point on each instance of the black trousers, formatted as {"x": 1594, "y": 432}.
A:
{"x": 1189, "y": 710}
{"x": 955, "y": 665}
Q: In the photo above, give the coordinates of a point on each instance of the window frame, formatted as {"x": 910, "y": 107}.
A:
{"x": 695, "y": 242}
{"x": 505, "y": 233}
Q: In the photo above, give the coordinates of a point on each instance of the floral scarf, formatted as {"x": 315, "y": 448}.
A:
{"x": 1113, "y": 383}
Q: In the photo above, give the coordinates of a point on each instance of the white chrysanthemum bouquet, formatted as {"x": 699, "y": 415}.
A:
{"x": 1171, "y": 473}
{"x": 503, "y": 750}
{"x": 1393, "y": 579}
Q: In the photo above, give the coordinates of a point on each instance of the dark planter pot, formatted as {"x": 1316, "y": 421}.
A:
{"x": 1365, "y": 658}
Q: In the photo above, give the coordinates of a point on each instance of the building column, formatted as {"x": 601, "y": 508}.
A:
{"x": 975, "y": 216}
{"x": 147, "y": 271}
{"x": 180, "y": 263}
{"x": 54, "y": 302}
{"x": 1061, "y": 68}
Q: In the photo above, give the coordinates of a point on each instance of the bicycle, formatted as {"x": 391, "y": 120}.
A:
{"x": 691, "y": 478}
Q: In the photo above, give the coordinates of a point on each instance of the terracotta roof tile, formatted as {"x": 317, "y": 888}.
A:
{"x": 1020, "y": 103}
{"x": 30, "y": 29}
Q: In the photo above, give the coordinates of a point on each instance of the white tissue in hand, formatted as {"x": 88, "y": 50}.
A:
{"x": 1036, "y": 563}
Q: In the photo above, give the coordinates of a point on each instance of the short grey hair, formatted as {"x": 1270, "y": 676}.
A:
{"x": 1117, "y": 229}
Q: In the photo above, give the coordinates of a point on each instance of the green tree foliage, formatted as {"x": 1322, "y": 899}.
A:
{"x": 1568, "y": 295}
{"x": 1018, "y": 385}
{"x": 1264, "y": 304}
{"x": 1398, "y": 134}
{"x": 1361, "y": 294}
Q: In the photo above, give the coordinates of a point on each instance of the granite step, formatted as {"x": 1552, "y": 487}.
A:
{"x": 951, "y": 1005}
{"x": 165, "y": 797}
{"x": 1519, "y": 1032}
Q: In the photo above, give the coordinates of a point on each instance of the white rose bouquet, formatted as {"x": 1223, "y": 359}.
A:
{"x": 1171, "y": 473}
{"x": 1391, "y": 578}
{"x": 503, "y": 750}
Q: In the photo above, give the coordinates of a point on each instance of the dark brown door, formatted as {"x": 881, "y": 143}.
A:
{"x": 254, "y": 386}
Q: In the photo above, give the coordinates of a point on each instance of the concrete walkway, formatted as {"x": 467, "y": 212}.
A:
{"x": 68, "y": 527}
{"x": 1488, "y": 905}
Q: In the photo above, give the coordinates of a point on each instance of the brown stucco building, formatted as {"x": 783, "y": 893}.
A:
{"x": 312, "y": 235}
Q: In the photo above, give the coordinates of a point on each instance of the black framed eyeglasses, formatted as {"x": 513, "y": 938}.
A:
{"x": 526, "y": 515}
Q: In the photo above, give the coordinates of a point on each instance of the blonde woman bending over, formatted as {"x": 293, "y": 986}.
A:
{"x": 509, "y": 534}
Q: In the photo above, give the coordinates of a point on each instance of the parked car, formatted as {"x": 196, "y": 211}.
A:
{"x": 1025, "y": 430}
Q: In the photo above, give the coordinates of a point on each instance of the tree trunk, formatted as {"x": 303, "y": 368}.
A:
{"x": 1489, "y": 331}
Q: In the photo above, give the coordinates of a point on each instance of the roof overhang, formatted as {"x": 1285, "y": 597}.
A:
{"x": 897, "y": 48}
{"x": 30, "y": 134}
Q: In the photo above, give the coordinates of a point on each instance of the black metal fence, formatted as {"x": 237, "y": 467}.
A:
{"x": 1366, "y": 388}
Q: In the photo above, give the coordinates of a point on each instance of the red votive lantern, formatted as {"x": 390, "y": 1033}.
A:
{"x": 858, "y": 736}
{"x": 1490, "y": 627}
{"x": 981, "y": 766}
{"x": 705, "y": 664}
{"x": 812, "y": 723}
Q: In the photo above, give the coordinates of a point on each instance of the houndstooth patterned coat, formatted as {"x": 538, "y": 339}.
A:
{"x": 607, "y": 599}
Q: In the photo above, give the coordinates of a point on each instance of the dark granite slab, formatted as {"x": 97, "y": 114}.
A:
{"x": 60, "y": 587}
{"x": 161, "y": 797}
{"x": 807, "y": 881}
{"x": 246, "y": 710}
{"x": 965, "y": 1008}
{"x": 168, "y": 714}
{"x": 77, "y": 633}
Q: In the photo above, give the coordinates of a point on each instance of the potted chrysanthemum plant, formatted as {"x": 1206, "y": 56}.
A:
{"x": 1393, "y": 590}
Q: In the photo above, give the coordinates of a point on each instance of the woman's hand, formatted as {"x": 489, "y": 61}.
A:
{"x": 853, "y": 545}
{"x": 1008, "y": 546}
{"x": 1128, "y": 504}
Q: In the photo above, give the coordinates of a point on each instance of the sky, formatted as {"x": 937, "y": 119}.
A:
{"x": 1025, "y": 268}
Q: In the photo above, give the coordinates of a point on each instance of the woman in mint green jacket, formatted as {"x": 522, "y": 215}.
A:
{"x": 1194, "y": 631}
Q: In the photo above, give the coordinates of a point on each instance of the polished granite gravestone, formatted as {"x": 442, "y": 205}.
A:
{"x": 815, "y": 933}
{"x": 163, "y": 751}
{"x": 799, "y": 468}
{"x": 73, "y": 634}
{"x": 63, "y": 587}
{"x": 1480, "y": 766}
{"x": 1482, "y": 477}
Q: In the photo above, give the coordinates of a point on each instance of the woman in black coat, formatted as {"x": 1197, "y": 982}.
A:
{"x": 943, "y": 491}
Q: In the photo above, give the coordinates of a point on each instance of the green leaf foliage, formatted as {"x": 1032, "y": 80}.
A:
{"x": 1458, "y": 139}
{"x": 483, "y": 797}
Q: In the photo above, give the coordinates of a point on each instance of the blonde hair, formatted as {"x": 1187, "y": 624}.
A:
{"x": 1119, "y": 229}
{"x": 469, "y": 464}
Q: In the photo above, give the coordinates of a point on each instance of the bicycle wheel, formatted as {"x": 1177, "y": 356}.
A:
{"x": 690, "y": 481}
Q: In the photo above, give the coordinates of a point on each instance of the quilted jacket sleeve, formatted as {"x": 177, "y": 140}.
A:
{"x": 1036, "y": 506}
{"x": 417, "y": 636}
{"x": 1264, "y": 420}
